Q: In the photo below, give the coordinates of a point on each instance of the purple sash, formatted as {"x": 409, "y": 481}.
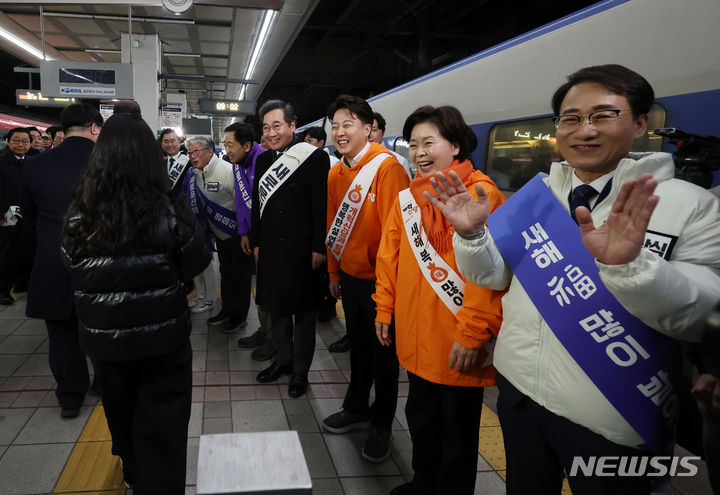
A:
{"x": 244, "y": 179}
{"x": 633, "y": 366}
{"x": 204, "y": 209}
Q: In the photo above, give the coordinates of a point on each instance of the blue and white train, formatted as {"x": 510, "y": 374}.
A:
{"x": 504, "y": 92}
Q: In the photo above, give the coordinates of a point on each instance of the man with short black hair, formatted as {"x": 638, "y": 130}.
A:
{"x": 11, "y": 165}
{"x": 56, "y": 135}
{"x": 242, "y": 151}
{"x": 177, "y": 163}
{"x": 48, "y": 183}
{"x": 36, "y": 144}
{"x": 583, "y": 371}
{"x": 288, "y": 230}
{"x": 362, "y": 190}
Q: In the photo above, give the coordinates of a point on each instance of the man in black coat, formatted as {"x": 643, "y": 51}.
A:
{"x": 48, "y": 184}
{"x": 288, "y": 235}
{"x": 12, "y": 162}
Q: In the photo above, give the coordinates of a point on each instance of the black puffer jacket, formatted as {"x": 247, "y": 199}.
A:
{"x": 132, "y": 306}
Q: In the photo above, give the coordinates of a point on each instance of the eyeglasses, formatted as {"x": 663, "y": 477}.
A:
{"x": 595, "y": 119}
{"x": 275, "y": 127}
{"x": 194, "y": 152}
{"x": 20, "y": 141}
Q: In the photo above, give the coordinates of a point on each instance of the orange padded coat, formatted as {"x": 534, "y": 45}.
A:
{"x": 358, "y": 258}
{"x": 425, "y": 328}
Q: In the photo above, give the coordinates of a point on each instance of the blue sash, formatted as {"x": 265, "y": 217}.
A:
{"x": 220, "y": 217}
{"x": 631, "y": 364}
{"x": 243, "y": 199}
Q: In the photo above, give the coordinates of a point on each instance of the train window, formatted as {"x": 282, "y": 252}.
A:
{"x": 518, "y": 150}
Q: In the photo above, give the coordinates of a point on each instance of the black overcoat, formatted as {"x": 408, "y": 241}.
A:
{"x": 292, "y": 227}
{"x": 48, "y": 183}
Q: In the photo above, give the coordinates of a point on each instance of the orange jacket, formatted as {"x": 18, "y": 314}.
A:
{"x": 425, "y": 328}
{"x": 358, "y": 258}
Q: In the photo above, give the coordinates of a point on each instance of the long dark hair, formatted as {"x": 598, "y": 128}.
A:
{"x": 122, "y": 197}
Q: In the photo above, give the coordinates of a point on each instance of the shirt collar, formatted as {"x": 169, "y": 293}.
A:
{"x": 598, "y": 184}
{"x": 354, "y": 161}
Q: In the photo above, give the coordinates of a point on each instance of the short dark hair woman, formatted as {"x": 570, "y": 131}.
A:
{"x": 444, "y": 324}
{"x": 129, "y": 244}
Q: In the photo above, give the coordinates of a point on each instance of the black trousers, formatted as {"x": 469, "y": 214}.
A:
{"x": 294, "y": 341}
{"x": 147, "y": 406}
{"x": 369, "y": 361}
{"x": 235, "y": 278}
{"x": 540, "y": 446}
{"x": 67, "y": 362}
{"x": 444, "y": 421}
{"x": 8, "y": 259}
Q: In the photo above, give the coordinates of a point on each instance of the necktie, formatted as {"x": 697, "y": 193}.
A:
{"x": 581, "y": 196}
{"x": 170, "y": 163}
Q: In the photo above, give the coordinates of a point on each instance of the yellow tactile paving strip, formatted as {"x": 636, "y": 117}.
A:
{"x": 492, "y": 447}
{"x": 91, "y": 468}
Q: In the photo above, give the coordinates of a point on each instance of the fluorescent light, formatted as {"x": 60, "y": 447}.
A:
{"x": 101, "y": 50}
{"x": 189, "y": 55}
{"x": 110, "y": 50}
{"x": 257, "y": 49}
{"x": 22, "y": 44}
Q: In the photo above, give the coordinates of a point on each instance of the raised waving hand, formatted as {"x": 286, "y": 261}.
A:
{"x": 464, "y": 212}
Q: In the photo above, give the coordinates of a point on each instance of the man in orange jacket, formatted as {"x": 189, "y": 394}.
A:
{"x": 362, "y": 189}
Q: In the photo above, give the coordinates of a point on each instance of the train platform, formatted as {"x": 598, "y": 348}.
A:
{"x": 43, "y": 453}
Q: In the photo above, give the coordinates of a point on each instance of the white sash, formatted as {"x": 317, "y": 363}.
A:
{"x": 443, "y": 279}
{"x": 176, "y": 169}
{"x": 344, "y": 221}
{"x": 281, "y": 169}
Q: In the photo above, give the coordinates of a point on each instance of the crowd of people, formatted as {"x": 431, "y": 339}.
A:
{"x": 571, "y": 296}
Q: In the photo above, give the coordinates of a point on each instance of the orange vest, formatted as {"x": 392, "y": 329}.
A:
{"x": 358, "y": 258}
{"x": 425, "y": 328}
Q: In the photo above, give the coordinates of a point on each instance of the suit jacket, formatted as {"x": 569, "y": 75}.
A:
{"x": 292, "y": 227}
{"x": 48, "y": 183}
{"x": 10, "y": 176}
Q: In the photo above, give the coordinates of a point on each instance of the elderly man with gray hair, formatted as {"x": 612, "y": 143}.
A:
{"x": 210, "y": 190}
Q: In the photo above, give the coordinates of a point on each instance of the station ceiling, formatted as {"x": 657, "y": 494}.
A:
{"x": 317, "y": 49}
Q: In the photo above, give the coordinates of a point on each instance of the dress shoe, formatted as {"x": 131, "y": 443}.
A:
{"x": 273, "y": 372}
{"x": 253, "y": 340}
{"x": 342, "y": 345}
{"x": 218, "y": 319}
{"x": 298, "y": 385}
{"x": 233, "y": 324}
{"x": 6, "y": 299}
{"x": 265, "y": 352}
{"x": 69, "y": 413}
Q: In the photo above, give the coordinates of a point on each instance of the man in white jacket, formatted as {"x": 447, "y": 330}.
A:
{"x": 656, "y": 243}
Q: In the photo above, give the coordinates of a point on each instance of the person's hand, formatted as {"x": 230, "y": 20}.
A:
{"x": 462, "y": 358}
{"x": 256, "y": 252}
{"x": 707, "y": 391}
{"x": 383, "y": 333}
{"x": 245, "y": 245}
{"x": 335, "y": 290}
{"x": 619, "y": 240}
{"x": 467, "y": 215}
{"x": 317, "y": 260}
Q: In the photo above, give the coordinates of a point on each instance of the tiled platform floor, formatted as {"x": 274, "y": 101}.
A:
{"x": 36, "y": 445}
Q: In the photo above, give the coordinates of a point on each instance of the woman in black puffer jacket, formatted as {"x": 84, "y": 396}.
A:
{"x": 129, "y": 245}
